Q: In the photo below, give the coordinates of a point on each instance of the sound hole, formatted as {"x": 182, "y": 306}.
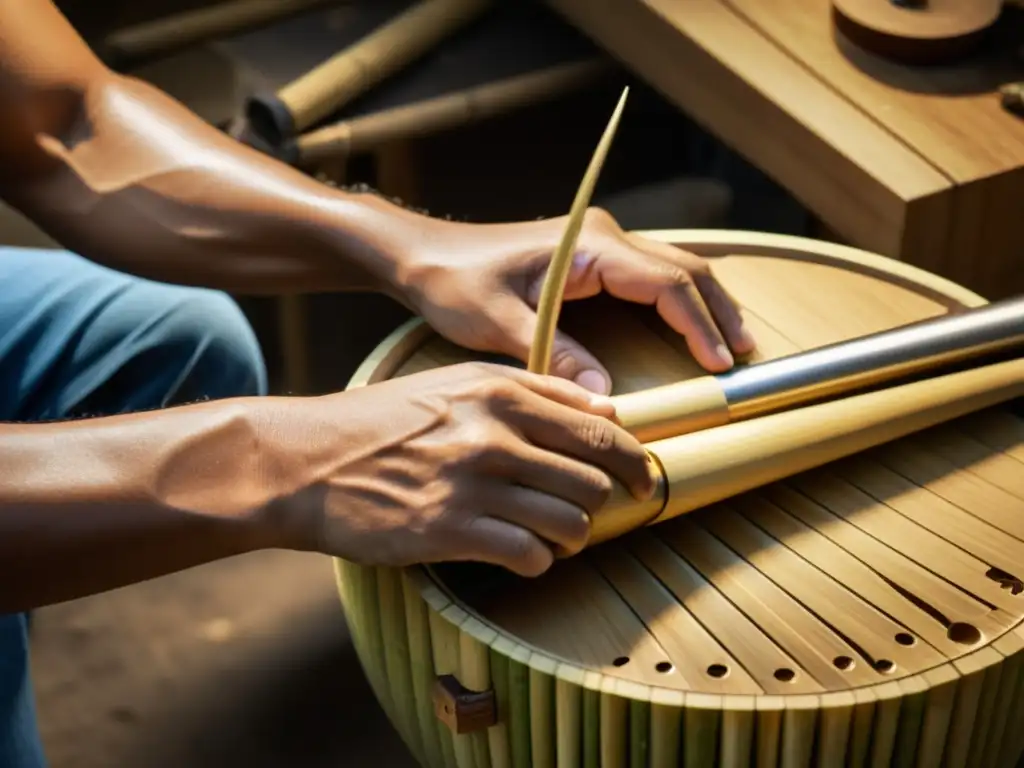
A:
{"x": 843, "y": 662}
{"x": 621, "y": 661}
{"x": 885, "y": 666}
{"x": 904, "y": 638}
{"x": 1007, "y": 581}
{"x": 718, "y": 670}
{"x": 663, "y": 666}
{"x": 785, "y": 675}
{"x": 964, "y": 634}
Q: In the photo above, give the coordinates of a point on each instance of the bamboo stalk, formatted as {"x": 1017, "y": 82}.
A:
{"x": 165, "y": 35}
{"x": 452, "y": 110}
{"x": 353, "y": 71}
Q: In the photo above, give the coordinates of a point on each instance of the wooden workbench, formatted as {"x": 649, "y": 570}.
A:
{"x": 919, "y": 164}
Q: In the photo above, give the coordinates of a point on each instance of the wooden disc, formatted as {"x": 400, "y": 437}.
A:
{"x": 894, "y": 573}
{"x": 936, "y": 31}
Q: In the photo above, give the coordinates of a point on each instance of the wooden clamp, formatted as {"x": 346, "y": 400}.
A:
{"x": 463, "y": 710}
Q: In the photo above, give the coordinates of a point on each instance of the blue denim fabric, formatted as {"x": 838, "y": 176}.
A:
{"x": 77, "y": 339}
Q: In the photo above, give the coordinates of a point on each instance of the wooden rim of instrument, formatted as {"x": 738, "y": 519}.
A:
{"x": 400, "y": 346}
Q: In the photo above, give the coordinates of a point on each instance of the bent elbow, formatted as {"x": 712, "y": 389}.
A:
{"x": 44, "y": 126}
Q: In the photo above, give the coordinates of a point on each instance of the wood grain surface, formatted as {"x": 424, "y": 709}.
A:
{"x": 918, "y": 163}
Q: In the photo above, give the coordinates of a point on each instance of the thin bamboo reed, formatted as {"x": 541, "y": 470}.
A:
{"x": 559, "y": 266}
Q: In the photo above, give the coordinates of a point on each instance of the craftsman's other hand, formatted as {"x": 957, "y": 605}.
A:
{"x": 467, "y": 462}
{"x": 479, "y": 286}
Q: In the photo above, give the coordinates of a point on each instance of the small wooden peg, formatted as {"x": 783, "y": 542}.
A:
{"x": 1012, "y": 95}
{"x": 463, "y": 710}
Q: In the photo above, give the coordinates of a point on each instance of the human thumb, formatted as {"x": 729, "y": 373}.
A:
{"x": 569, "y": 359}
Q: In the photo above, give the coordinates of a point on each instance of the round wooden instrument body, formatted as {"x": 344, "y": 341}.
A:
{"x": 866, "y": 613}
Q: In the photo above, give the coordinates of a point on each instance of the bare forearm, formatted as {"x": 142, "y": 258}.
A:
{"x": 141, "y": 184}
{"x": 91, "y": 505}
{"x": 120, "y": 172}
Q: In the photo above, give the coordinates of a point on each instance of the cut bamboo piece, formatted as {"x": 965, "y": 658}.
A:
{"x": 163, "y": 36}
{"x": 861, "y": 611}
{"x": 325, "y": 89}
{"x": 453, "y": 110}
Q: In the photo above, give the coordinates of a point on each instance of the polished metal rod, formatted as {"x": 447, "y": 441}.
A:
{"x": 924, "y": 346}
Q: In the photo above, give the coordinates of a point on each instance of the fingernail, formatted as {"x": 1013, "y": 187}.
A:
{"x": 725, "y": 354}
{"x": 581, "y": 260}
{"x": 594, "y": 381}
{"x": 747, "y": 338}
{"x": 646, "y": 492}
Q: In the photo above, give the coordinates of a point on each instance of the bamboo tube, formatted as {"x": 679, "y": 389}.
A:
{"x": 162, "y": 36}
{"x": 927, "y": 347}
{"x": 445, "y": 112}
{"x": 705, "y": 467}
{"x": 335, "y": 82}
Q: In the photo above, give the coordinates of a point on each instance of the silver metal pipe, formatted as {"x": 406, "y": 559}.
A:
{"x": 863, "y": 362}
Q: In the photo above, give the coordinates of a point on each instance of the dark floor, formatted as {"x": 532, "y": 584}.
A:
{"x": 247, "y": 662}
{"x": 241, "y": 663}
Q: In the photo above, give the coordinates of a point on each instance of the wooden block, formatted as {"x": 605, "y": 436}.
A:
{"x": 920, "y": 164}
{"x": 463, "y": 710}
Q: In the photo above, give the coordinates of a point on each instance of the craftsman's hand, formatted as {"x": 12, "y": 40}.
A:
{"x": 479, "y": 286}
{"x": 466, "y": 462}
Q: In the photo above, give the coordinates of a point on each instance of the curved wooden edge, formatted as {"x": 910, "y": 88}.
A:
{"x": 723, "y": 242}
{"x": 401, "y": 343}
{"x": 926, "y": 35}
{"x": 394, "y": 350}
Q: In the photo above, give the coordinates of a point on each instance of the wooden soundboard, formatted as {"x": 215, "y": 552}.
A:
{"x": 922, "y": 164}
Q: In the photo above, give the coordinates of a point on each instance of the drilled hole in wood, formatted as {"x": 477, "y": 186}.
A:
{"x": 663, "y": 666}
{"x": 885, "y": 666}
{"x": 718, "y": 670}
{"x": 785, "y": 675}
{"x": 1007, "y": 581}
{"x": 905, "y": 638}
{"x": 963, "y": 633}
{"x": 843, "y": 662}
{"x": 621, "y": 661}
